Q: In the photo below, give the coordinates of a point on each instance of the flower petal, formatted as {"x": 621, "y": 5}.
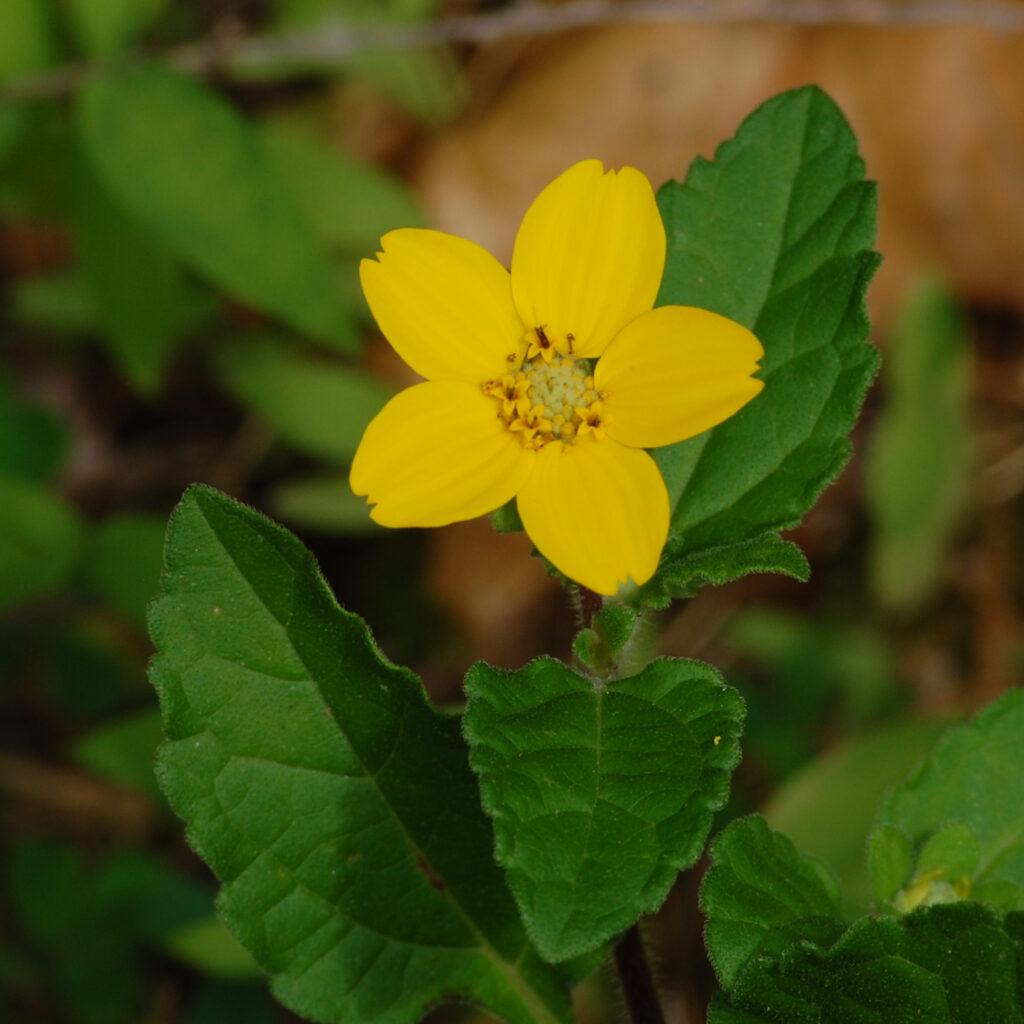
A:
{"x": 445, "y": 304}
{"x": 437, "y": 453}
{"x": 589, "y": 256}
{"x": 675, "y": 372}
{"x": 598, "y": 511}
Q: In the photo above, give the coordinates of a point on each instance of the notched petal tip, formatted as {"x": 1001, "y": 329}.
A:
{"x": 444, "y": 303}
{"x": 589, "y": 254}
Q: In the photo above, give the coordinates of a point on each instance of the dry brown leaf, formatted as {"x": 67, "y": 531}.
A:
{"x": 939, "y": 113}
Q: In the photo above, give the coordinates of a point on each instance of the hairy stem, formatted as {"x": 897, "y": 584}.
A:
{"x": 636, "y": 979}
{"x": 640, "y": 649}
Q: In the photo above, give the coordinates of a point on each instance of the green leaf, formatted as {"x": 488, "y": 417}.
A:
{"x": 26, "y": 38}
{"x": 123, "y": 750}
{"x": 122, "y": 562}
{"x": 36, "y": 183}
{"x": 974, "y": 777}
{"x": 321, "y": 407}
{"x": 141, "y": 295}
{"x": 34, "y": 438}
{"x": 322, "y": 502}
{"x": 104, "y": 28}
{"x": 683, "y": 573}
{"x": 427, "y": 83}
{"x": 805, "y": 661}
{"x": 190, "y": 169}
{"x": 918, "y": 475}
{"x": 90, "y": 672}
{"x": 827, "y": 808}
{"x": 351, "y": 204}
{"x": 609, "y": 632}
{"x": 57, "y": 303}
{"x": 223, "y": 1001}
{"x": 292, "y": 14}
{"x": 12, "y": 124}
{"x": 759, "y": 893}
{"x": 953, "y": 850}
{"x": 334, "y": 803}
{"x": 208, "y": 946}
{"x": 890, "y": 858}
{"x": 775, "y": 233}
{"x": 506, "y": 519}
{"x": 89, "y": 925}
{"x": 600, "y": 791}
{"x": 953, "y": 964}
{"x": 39, "y": 542}
{"x": 615, "y": 624}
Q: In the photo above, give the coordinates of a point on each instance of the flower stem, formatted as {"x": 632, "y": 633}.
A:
{"x": 639, "y": 650}
{"x": 636, "y": 979}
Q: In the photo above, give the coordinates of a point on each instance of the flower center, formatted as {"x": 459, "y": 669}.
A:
{"x": 549, "y": 399}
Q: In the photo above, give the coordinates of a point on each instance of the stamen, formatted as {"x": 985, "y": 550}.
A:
{"x": 549, "y": 399}
{"x": 540, "y": 345}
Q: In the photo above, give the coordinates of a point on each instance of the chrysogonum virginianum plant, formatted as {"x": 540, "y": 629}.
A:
{"x": 662, "y": 384}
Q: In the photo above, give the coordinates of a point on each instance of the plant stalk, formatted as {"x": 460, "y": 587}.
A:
{"x": 636, "y": 979}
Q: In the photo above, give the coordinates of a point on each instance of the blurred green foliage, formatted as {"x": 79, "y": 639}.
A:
{"x": 87, "y": 925}
{"x": 919, "y": 471}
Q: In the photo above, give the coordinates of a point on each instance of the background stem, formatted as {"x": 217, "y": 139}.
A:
{"x": 636, "y": 979}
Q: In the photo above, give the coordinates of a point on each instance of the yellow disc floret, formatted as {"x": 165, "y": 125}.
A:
{"x": 549, "y": 399}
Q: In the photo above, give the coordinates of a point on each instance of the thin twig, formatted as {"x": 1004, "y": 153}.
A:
{"x": 638, "y": 989}
{"x": 335, "y": 41}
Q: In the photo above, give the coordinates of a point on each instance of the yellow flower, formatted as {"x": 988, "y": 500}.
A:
{"x": 547, "y": 383}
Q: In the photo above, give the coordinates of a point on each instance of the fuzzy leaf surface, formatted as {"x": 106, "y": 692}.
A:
{"x": 776, "y": 233}
{"x": 951, "y": 964}
{"x": 334, "y": 803}
{"x": 599, "y": 794}
{"x": 760, "y": 893}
